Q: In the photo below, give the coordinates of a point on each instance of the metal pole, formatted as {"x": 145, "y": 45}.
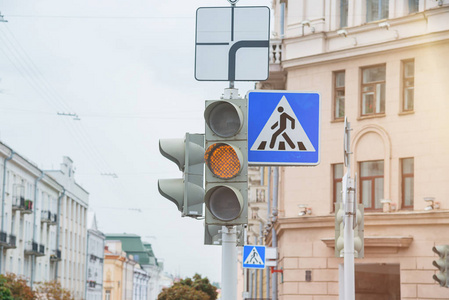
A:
{"x": 229, "y": 263}
{"x": 273, "y": 231}
{"x": 348, "y": 202}
{"x": 268, "y": 197}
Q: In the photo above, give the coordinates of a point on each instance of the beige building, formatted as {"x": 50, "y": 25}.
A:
{"x": 384, "y": 65}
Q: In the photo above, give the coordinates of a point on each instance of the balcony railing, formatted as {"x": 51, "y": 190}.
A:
{"x": 48, "y": 217}
{"x": 12, "y": 241}
{"x": 276, "y": 51}
{"x": 34, "y": 248}
{"x": 19, "y": 203}
{"x": 3, "y": 237}
{"x": 56, "y": 256}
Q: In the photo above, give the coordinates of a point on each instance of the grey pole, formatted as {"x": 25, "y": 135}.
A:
{"x": 268, "y": 218}
{"x": 273, "y": 230}
{"x": 348, "y": 202}
{"x": 229, "y": 263}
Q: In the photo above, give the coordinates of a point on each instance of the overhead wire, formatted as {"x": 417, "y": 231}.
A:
{"x": 23, "y": 63}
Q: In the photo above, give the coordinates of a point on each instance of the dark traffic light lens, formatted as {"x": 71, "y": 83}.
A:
{"x": 224, "y": 120}
{"x": 222, "y": 160}
{"x": 224, "y": 204}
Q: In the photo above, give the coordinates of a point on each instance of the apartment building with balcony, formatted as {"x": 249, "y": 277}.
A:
{"x": 383, "y": 65}
{"x": 28, "y": 219}
{"x": 94, "y": 259}
{"x": 72, "y": 236}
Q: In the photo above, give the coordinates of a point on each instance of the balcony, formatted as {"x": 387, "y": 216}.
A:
{"x": 56, "y": 256}
{"x": 277, "y": 76}
{"x": 3, "y": 238}
{"x": 48, "y": 217}
{"x": 24, "y": 206}
{"x": 11, "y": 242}
{"x": 33, "y": 248}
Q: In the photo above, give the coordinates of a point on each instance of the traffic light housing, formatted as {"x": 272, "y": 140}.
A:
{"x": 186, "y": 193}
{"x": 442, "y": 265}
{"x": 359, "y": 229}
{"x": 226, "y": 158}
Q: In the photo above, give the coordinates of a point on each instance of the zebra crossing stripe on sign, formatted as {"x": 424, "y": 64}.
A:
{"x": 283, "y": 132}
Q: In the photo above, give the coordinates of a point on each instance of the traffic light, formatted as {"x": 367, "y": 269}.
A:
{"x": 186, "y": 193}
{"x": 212, "y": 235}
{"x": 442, "y": 264}
{"x": 226, "y": 158}
{"x": 359, "y": 230}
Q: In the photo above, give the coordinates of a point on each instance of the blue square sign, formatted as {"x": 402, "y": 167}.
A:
{"x": 253, "y": 257}
{"x": 283, "y": 128}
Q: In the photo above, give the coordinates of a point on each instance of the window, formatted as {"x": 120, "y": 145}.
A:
{"x": 373, "y": 90}
{"x": 339, "y": 95}
{"x": 337, "y": 171}
{"x": 343, "y": 13}
{"x": 413, "y": 6}
{"x": 407, "y": 171}
{"x": 372, "y": 184}
{"x": 408, "y": 85}
{"x": 376, "y": 10}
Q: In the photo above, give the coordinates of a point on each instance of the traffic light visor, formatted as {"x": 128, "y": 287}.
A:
{"x": 223, "y": 160}
{"x": 224, "y": 202}
{"x": 223, "y": 118}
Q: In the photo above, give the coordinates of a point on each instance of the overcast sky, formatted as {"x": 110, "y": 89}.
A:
{"x": 126, "y": 69}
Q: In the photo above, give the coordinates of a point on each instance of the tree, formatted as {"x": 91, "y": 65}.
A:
{"x": 188, "y": 289}
{"x": 52, "y": 290}
{"x": 5, "y": 293}
{"x": 17, "y": 286}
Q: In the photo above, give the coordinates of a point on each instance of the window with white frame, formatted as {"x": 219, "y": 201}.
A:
{"x": 376, "y": 10}
{"x": 372, "y": 184}
{"x": 408, "y": 84}
{"x": 373, "y": 90}
{"x": 339, "y": 95}
{"x": 343, "y": 13}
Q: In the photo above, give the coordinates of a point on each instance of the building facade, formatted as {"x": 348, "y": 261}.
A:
{"x": 94, "y": 259}
{"x": 29, "y": 218}
{"x": 382, "y": 65}
{"x": 143, "y": 254}
{"x": 118, "y": 275}
{"x": 43, "y": 223}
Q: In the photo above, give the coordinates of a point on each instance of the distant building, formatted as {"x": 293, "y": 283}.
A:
{"x": 115, "y": 279}
{"x": 143, "y": 254}
{"x": 43, "y": 222}
{"x": 73, "y": 230}
{"x": 94, "y": 259}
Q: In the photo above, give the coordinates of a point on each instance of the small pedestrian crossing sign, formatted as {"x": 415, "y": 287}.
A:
{"x": 283, "y": 128}
{"x": 253, "y": 257}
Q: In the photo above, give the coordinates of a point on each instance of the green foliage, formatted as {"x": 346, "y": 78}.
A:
{"x": 52, "y": 290}
{"x": 5, "y": 293}
{"x": 188, "y": 289}
{"x": 17, "y": 286}
{"x": 13, "y": 287}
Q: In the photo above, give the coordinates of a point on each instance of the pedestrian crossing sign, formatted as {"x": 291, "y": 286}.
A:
{"x": 283, "y": 128}
{"x": 253, "y": 257}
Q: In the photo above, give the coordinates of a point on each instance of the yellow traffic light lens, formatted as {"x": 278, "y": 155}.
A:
{"x": 222, "y": 160}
